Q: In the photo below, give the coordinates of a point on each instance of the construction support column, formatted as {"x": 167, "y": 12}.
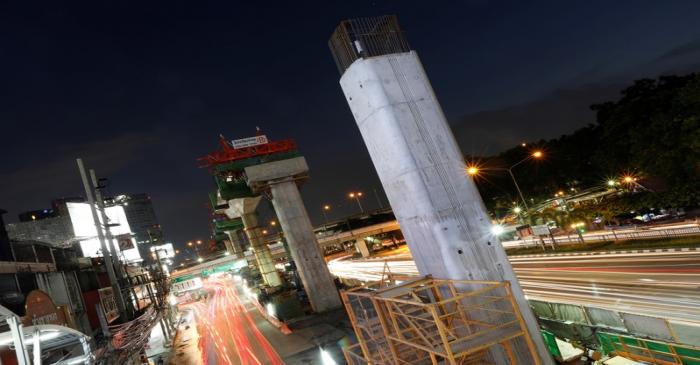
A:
{"x": 309, "y": 260}
{"x": 361, "y": 245}
{"x": 245, "y": 209}
{"x": 262, "y": 253}
{"x": 281, "y": 178}
{"x": 234, "y": 247}
{"x": 419, "y": 163}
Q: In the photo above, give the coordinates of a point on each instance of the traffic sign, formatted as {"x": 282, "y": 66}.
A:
{"x": 180, "y": 279}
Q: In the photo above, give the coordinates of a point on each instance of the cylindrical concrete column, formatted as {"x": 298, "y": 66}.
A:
{"x": 423, "y": 173}
{"x": 262, "y": 253}
{"x": 304, "y": 248}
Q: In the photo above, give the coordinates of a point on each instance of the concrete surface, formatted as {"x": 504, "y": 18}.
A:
{"x": 298, "y": 231}
{"x": 281, "y": 178}
{"x": 245, "y": 209}
{"x": 423, "y": 174}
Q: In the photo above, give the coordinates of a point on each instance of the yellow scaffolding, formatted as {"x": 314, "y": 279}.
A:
{"x": 432, "y": 321}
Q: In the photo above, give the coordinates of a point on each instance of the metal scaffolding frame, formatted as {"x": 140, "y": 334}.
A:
{"x": 432, "y": 321}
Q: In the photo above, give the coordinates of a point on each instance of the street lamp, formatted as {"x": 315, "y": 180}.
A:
{"x": 324, "y": 209}
{"x": 357, "y": 196}
{"x": 536, "y": 155}
{"x": 474, "y": 170}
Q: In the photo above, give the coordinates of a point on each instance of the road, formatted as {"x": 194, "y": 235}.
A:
{"x": 683, "y": 229}
{"x": 228, "y": 328}
{"x": 664, "y": 284}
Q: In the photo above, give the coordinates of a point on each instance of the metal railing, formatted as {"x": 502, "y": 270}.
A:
{"x": 612, "y": 235}
{"x": 366, "y": 37}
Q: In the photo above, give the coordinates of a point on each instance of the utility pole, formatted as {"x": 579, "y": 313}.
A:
{"x": 105, "y": 222}
{"x": 103, "y": 245}
{"x": 379, "y": 201}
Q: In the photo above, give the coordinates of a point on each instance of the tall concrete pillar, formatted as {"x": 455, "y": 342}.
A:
{"x": 419, "y": 162}
{"x": 245, "y": 209}
{"x": 281, "y": 178}
{"x": 361, "y": 245}
{"x": 234, "y": 246}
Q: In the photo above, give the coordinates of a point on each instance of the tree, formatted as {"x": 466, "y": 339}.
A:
{"x": 653, "y": 132}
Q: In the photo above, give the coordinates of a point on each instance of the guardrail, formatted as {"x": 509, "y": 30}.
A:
{"x": 602, "y": 236}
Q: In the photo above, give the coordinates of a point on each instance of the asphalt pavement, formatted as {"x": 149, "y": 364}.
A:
{"x": 229, "y": 330}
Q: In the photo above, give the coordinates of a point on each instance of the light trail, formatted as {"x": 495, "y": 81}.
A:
{"x": 660, "y": 284}
{"x": 229, "y": 333}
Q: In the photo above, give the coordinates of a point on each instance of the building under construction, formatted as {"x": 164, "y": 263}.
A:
{"x": 246, "y": 171}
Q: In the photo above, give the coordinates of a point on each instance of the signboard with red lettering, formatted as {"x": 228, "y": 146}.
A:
{"x": 41, "y": 309}
{"x": 249, "y": 142}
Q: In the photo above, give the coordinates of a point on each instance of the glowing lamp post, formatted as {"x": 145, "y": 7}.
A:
{"x": 474, "y": 171}
{"x": 357, "y": 196}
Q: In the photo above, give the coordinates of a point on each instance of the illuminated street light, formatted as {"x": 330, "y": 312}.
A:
{"x": 536, "y": 154}
{"x": 199, "y": 259}
{"x": 324, "y": 209}
{"x": 264, "y": 231}
{"x": 199, "y": 242}
{"x": 273, "y": 223}
{"x": 189, "y": 243}
{"x": 612, "y": 183}
{"x": 497, "y": 229}
{"x": 628, "y": 179}
{"x": 357, "y": 196}
{"x": 474, "y": 170}
{"x": 517, "y": 210}
{"x": 177, "y": 252}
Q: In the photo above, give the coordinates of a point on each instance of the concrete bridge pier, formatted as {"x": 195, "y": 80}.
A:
{"x": 233, "y": 244}
{"x": 361, "y": 245}
{"x": 245, "y": 209}
{"x": 420, "y": 164}
{"x": 281, "y": 178}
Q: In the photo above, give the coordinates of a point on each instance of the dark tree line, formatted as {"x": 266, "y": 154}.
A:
{"x": 652, "y": 132}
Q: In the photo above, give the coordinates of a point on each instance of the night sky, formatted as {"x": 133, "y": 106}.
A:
{"x": 141, "y": 89}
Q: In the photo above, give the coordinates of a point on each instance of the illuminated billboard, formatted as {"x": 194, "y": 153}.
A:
{"x": 165, "y": 251}
{"x": 86, "y": 232}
